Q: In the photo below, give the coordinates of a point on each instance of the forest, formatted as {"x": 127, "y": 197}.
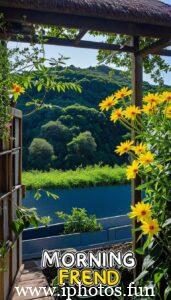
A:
{"x": 73, "y": 132}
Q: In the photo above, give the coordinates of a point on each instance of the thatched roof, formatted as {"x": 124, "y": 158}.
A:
{"x": 138, "y": 11}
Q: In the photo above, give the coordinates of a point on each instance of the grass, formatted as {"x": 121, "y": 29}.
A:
{"x": 89, "y": 176}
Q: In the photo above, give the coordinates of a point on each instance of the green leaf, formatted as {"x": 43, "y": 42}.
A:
{"x": 37, "y": 195}
{"x": 45, "y": 220}
{"x": 167, "y": 293}
{"x": 147, "y": 243}
{"x": 167, "y": 222}
{"x": 142, "y": 275}
{"x": 148, "y": 262}
{"x": 39, "y": 87}
{"x": 140, "y": 251}
{"x": 52, "y": 195}
{"x": 159, "y": 275}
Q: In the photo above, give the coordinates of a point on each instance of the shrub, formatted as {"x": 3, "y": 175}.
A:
{"x": 40, "y": 154}
{"x": 79, "y": 221}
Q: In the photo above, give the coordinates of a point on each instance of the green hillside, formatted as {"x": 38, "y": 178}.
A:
{"x": 74, "y": 133}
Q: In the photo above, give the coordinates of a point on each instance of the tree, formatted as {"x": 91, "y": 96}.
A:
{"x": 81, "y": 150}
{"x": 154, "y": 65}
{"x": 41, "y": 154}
{"x": 58, "y": 135}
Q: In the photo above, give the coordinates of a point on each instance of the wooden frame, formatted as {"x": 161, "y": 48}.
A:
{"x": 20, "y": 20}
{"x": 84, "y": 22}
{"x": 11, "y": 193}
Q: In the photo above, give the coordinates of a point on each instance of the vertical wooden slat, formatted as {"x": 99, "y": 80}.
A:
{"x": 19, "y": 241}
{"x": 137, "y": 86}
{"x": 10, "y": 178}
{"x": 20, "y": 145}
{"x": 10, "y": 174}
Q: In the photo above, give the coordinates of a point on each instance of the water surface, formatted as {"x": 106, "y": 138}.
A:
{"x": 103, "y": 201}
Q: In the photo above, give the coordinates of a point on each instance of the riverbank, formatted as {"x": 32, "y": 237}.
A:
{"x": 89, "y": 176}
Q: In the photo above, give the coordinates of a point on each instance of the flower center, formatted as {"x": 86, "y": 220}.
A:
{"x": 151, "y": 227}
{"x": 17, "y": 89}
{"x": 143, "y": 213}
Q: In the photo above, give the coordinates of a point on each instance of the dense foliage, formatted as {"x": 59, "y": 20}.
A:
{"x": 153, "y": 65}
{"x": 150, "y": 152}
{"x": 72, "y": 117}
{"x": 81, "y": 177}
{"x": 79, "y": 221}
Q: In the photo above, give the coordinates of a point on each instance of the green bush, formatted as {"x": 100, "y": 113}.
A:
{"x": 40, "y": 154}
{"x": 79, "y": 221}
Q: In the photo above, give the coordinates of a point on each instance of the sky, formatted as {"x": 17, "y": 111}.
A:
{"x": 87, "y": 57}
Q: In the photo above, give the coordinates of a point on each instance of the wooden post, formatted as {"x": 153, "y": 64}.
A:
{"x": 11, "y": 193}
{"x": 137, "y": 86}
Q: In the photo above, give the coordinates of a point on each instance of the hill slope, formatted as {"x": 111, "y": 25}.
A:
{"x": 78, "y": 133}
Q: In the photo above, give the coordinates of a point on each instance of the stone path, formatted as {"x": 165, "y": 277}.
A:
{"x": 31, "y": 276}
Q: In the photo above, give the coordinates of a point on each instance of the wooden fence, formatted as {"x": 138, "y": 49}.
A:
{"x": 11, "y": 192}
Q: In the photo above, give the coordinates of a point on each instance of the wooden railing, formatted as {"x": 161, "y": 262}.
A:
{"x": 11, "y": 193}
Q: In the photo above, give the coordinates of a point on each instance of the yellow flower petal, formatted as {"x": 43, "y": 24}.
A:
{"x": 116, "y": 115}
{"x": 131, "y": 112}
{"x": 150, "y": 227}
{"x": 124, "y": 92}
{"x": 141, "y": 211}
{"x": 167, "y": 112}
{"x": 17, "y": 89}
{"x": 146, "y": 158}
{"x": 139, "y": 148}
{"x": 106, "y": 104}
{"x": 165, "y": 97}
{"x": 124, "y": 147}
{"x": 152, "y": 99}
{"x": 132, "y": 170}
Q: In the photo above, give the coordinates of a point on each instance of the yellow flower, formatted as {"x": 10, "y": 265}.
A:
{"x": 141, "y": 211}
{"x": 131, "y": 112}
{"x": 168, "y": 112}
{"x": 124, "y": 92}
{"x": 124, "y": 147}
{"x": 150, "y": 227}
{"x": 106, "y": 104}
{"x": 116, "y": 115}
{"x": 17, "y": 89}
{"x": 165, "y": 97}
{"x": 132, "y": 170}
{"x": 139, "y": 149}
{"x": 148, "y": 108}
{"x": 152, "y": 99}
{"x": 146, "y": 158}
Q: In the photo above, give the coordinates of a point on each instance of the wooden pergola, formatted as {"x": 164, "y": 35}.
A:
{"x": 136, "y": 18}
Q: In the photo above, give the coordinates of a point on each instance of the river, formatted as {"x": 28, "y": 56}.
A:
{"x": 103, "y": 201}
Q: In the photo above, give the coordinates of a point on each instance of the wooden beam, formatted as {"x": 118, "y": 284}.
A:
{"x": 164, "y": 52}
{"x": 137, "y": 83}
{"x": 80, "y": 35}
{"x": 84, "y": 22}
{"x": 70, "y": 43}
{"x": 155, "y": 47}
